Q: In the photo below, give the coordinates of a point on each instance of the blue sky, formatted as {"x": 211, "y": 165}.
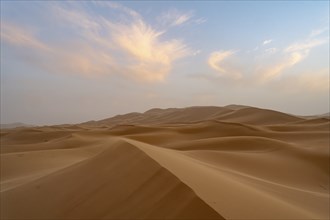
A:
{"x": 69, "y": 62}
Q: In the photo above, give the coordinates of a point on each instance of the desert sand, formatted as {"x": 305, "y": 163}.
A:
{"x": 233, "y": 162}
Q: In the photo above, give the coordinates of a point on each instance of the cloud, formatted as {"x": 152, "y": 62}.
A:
{"x": 19, "y": 36}
{"x": 293, "y": 54}
{"x": 270, "y": 64}
{"x": 259, "y": 46}
{"x": 82, "y": 60}
{"x": 77, "y": 19}
{"x": 200, "y": 20}
{"x": 318, "y": 32}
{"x": 181, "y": 19}
{"x": 117, "y": 6}
{"x": 305, "y": 45}
{"x": 176, "y": 18}
{"x": 128, "y": 47}
{"x": 143, "y": 42}
{"x": 276, "y": 70}
{"x": 267, "y": 42}
{"x": 216, "y": 62}
{"x": 77, "y": 59}
{"x": 271, "y": 50}
{"x": 196, "y": 52}
{"x": 148, "y": 57}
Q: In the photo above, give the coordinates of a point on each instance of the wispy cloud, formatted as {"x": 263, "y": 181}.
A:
{"x": 182, "y": 19}
{"x": 175, "y": 17}
{"x": 150, "y": 57}
{"x": 216, "y": 62}
{"x": 270, "y": 64}
{"x": 200, "y": 20}
{"x": 318, "y": 32}
{"x": 292, "y": 55}
{"x": 77, "y": 59}
{"x": 276, "y": 70}
{"x": 117, "y": 6}
{"x": 271, "y": 50}
{"x": 131, "y": 47}
{"x": 85, "y": 60}
{"x": 267, "y": 42}
{"x": 305, "y": 45}
{"x": 20, "y": 36}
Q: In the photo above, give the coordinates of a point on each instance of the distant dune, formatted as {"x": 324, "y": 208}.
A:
{"x": 326, "y": 114}
{"x": 14, "y": 125}
{"x": 231, "y": 113}
{"x": 232, "y": 162}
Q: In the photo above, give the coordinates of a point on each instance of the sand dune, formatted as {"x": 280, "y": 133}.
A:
{"x": 14, "y": 125}
{"x": 233, "y": 162}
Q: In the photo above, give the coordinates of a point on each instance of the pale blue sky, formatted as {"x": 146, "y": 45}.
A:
{"x": 69, "y": 62}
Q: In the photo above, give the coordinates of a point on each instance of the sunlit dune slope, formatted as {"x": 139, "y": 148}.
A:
{"x": 112, "y": 180}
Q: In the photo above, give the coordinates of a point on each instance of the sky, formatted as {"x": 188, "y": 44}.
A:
{"x": 75, "y": 61}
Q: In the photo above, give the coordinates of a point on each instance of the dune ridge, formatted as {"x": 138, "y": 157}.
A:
{"x": 232, "y": 162}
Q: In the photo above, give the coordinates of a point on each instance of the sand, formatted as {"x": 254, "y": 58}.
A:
{"x": 232, "y": 162}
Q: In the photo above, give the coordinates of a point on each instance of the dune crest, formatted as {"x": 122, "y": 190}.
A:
{"x": 233, "y": 162}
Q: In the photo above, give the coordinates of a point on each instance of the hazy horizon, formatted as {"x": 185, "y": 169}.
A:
{"x": 71, "y": 62}
{"x": 123, "y": 113}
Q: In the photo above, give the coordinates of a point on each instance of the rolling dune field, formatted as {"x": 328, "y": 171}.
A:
{"x": 233, "y": 162}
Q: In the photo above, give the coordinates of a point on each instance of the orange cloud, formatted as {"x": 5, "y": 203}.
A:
{"x": 150, "y": 57}
{"x": 132, "y": 48}
{"x": 216, "y": 62}
{"x": 276, "y": 70}
{"x": 146, "y": 56}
